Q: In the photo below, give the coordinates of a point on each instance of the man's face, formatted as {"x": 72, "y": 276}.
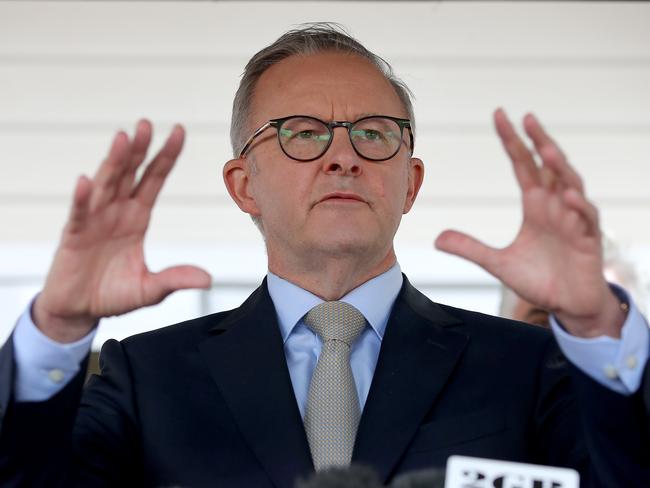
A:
{"x": 340, "y": 203}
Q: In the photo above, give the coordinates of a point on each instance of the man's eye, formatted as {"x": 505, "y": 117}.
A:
{"x": 368, "y": 135}
{"x": 299, "y": 135}
{"x": 305, "y": 134}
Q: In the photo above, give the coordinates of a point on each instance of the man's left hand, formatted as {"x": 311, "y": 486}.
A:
{"x": 556, "y": 258}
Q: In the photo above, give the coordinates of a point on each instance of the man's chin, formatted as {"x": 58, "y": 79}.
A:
{"x": 348, "y": 234}
{"x": 346, "y": 245}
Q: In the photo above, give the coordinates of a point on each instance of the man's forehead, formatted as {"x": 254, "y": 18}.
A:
{"x": 327, "y": 84}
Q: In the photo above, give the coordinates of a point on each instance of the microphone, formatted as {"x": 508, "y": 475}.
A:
{"x": 358, "y": 476}
{"x": 426, "y": 478}
{"x": 461, "y": 472}
{"x": 354, "y": 476}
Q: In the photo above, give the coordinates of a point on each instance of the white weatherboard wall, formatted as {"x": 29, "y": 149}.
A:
{"x": 71, "y": 73}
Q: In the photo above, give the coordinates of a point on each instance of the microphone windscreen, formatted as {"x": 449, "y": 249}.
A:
{"x": 349, "y": 477}
{"x": 426, "y": 478}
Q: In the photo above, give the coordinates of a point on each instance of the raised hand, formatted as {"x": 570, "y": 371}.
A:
{"x": 555, "y": 260}
{"x": 99, "y": 268}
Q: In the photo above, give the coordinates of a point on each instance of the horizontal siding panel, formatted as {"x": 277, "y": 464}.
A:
{"x": 446, "y": 29}
{"x": 458, "y": 95}
{"x": 63, "y": 94}
{"x": 47, "y": 164}
{"x": 573, "y": 94}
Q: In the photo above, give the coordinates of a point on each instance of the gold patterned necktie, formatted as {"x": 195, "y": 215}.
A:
{"x": 332, "y": 414}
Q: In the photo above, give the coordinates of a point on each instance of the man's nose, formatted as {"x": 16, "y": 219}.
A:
{"x": 341, "y": 158}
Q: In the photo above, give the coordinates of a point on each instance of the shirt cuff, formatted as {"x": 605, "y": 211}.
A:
{"x": 617, "y": 364}
{"x": 44, "y": 366}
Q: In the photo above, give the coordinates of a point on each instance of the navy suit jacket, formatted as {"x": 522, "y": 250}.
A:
{"x": 209, "y": 402}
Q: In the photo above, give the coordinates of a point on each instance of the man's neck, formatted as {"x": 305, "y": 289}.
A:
{"x": 331, "y": 278}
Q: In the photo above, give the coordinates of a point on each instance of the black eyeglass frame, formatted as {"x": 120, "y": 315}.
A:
{"x": 277, "y": 124}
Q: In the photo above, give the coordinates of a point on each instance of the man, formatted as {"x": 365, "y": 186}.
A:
{"x": 242, "y": 398}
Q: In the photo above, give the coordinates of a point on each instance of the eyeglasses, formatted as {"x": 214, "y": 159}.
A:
{"x": 305, "y": 138}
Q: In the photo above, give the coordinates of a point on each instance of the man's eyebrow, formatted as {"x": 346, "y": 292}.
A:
{"x": 379, "y": 114}
{"x": 366, "y": 114}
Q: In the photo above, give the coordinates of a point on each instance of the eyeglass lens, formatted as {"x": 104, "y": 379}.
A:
{"x": 305, "y": 138}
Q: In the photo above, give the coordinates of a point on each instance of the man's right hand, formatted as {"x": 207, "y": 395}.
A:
{"x": 99, "y": 268}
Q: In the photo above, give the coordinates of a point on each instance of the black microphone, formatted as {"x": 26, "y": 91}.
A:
{"x": 358, "y": 476}
{"x": 354, "y": 476}
{"x": 426, "y": 478}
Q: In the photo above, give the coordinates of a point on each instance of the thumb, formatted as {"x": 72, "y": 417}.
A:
{"x": 468, "y": 247}
{"x": 159, "y": 285}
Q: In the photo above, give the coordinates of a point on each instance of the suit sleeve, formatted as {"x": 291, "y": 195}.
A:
{"x": 74, "y": 438}
{"x": 581, "y": 424}
{"x": 615, "y": 429}
{"x": 35, "y": 441}
{"x": 106, "y": 441}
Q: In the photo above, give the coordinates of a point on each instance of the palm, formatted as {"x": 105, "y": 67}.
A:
{"x": 549, "y": 259}
{"x": 555, "y": 260}
{"x": 99, "y": 268}
{"x": 109, "y": 257}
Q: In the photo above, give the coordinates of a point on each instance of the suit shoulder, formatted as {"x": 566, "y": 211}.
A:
{"x": 493, "y": 322}
{"x": 184, "y": 336}
{"x": 180, "y": 333}
{"x": 474, "y": 324}
{"x": 509, "y": 340}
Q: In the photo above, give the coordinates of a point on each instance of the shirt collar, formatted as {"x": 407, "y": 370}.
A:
{"x": 374, "y": 299}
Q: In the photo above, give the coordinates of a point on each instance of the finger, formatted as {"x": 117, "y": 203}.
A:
{"x": 80, "y": 205}
{"x": 577, "y": 201}
{"x": 467, "y": 247}
{"x": 551, "y": 153}
{"x": 523, "y": 162}
{"x": 110, "y": 171}
{"x": 554, "y": 211}
{"x": 573, "y": 224}
{"x": 160, "y": 285}
{"x": 548, "y": 178}
{"x": 139, "y": 148}
{"x": 562, "y": 221}
{"x": 553, "y": 158}
{"x": 154, "y": 176}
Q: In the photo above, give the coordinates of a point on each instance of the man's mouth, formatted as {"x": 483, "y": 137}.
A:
{"x": 341, "y": 197}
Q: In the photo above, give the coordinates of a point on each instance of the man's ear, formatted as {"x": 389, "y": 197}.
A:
{"x": 415, "y": 179}
{"x": 236, "y": 176}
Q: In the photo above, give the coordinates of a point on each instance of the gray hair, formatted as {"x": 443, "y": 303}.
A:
{"x": 310, "y": 38}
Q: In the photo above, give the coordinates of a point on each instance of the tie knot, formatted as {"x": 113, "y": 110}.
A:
{"x": 336, "y": 321}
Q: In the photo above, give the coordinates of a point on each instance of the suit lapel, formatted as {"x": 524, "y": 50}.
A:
{"x": 418, "y": 354}
{"x": 247, "y": 361}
